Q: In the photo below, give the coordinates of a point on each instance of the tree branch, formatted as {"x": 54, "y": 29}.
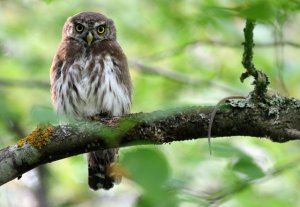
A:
{"x": 181, "y": 77}
{"x": 140, "y": 67}
{"x": 24, "y": 83}
{"x": 210, "y": 42}
{"x": 278, "y": 119}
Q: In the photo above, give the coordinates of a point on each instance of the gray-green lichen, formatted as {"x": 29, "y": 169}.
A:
{"x": 275, "y": 104}
{"x": 240, "y": 103}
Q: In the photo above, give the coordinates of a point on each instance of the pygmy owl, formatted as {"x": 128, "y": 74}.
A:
{"x": 89, "y": 76}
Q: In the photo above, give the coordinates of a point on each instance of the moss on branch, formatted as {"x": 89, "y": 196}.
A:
{"x": 261, "y": 80}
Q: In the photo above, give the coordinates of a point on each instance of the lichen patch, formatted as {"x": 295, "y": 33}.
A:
{"x": 38, "y": 138}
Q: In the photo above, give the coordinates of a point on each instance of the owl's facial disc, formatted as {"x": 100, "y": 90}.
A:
{"x": 89, "y": 28}
{"x": 89, "y": 38}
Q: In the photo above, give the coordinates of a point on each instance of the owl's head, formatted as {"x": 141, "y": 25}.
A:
{"x": 89, "y": 28}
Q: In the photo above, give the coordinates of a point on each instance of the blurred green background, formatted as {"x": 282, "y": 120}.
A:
{"x": 184, "y": 52}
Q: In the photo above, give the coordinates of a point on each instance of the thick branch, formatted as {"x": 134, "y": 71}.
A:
{"x": 278, "y": 119}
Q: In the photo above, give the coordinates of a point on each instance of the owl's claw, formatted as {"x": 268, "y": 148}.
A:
{"x": 104, "y": 118}
{"x": 101, "y": 116}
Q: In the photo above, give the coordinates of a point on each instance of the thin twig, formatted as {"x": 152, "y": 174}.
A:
{"x": 279, "y": 55}
{"x": 209, "y": 199}
{"x": 24, "y": 83}
{"x": 180, "y": 77}
{"x": 179, "y": 49}
{"x": 138, "y": 66}
{"x": 244, "y": 185}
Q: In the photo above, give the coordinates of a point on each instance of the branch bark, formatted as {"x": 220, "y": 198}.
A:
{"x": 277, "y": 119}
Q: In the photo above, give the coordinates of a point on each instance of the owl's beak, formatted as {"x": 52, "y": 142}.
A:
{"x": 89, "y": 38}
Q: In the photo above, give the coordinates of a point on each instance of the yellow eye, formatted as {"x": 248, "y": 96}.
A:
{"x": 100, "y": 29}
{"x": 79, "y": 28}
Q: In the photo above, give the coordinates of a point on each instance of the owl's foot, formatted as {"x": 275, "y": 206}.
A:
{"x": 103, "y": 117}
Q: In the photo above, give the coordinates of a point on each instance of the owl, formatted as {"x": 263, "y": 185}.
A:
{"x": 89, "y": 76}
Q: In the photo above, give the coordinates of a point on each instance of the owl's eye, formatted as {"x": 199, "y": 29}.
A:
{"x": 100, "y": 29}
{"x": 79, "y": 28}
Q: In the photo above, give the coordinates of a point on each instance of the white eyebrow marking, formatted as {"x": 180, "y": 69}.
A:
{"x": 99, "y": 23}
{"x": 82, "y": 23}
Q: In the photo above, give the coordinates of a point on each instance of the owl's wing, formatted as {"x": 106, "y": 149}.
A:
{"x": 62, "y": 59}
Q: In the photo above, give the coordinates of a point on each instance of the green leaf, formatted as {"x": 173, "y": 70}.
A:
{"x": 162, "y": 198}
{"x": 244, "y": 164}
{"x": 226, "y": 150}
{"x": 249, "y": 168}
{"x": 42, "y": 114}
{"x": 147, "y": 166}
{"x": 258, "y": 10}
{"x": 252, "y": 197}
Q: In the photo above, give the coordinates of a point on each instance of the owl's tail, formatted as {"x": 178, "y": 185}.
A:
{"x": 99, "y": 169}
